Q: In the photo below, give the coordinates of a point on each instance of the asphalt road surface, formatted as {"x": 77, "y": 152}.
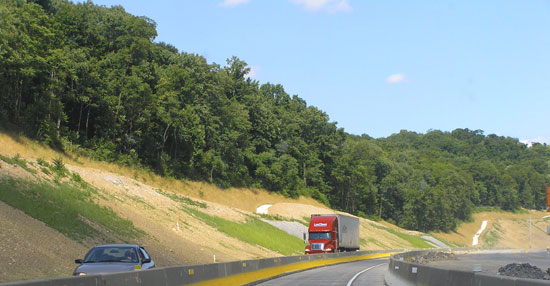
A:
{"x": 365, "y": 272}
{"x": 491, "y": 261}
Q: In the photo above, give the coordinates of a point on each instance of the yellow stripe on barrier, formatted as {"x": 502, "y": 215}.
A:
{"x": 244, "y": 278}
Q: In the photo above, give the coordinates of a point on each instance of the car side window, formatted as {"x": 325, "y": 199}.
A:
{"x": 144, "y": 253}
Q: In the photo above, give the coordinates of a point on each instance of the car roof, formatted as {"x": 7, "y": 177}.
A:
{"x": 118, "y": 245}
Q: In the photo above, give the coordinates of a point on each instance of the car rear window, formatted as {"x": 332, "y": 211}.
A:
{"x": 111, "y": 254}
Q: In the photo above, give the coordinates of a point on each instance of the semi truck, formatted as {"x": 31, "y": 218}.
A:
{"x": 332, "y": 233}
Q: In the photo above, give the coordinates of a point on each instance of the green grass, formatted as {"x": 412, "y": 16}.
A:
{"x": 58, "y": 167}
{"x": 182, "y": 200}
{"x": 280, "y": 218}
{"x": 449, "y": 243}
{"x": 272, "y": 217}
{"x": 66, "y": 208}
{"x": 492, "y": 236}
{"x": 498, "y": 210}
{"x": 17, "y": 161}
{"x": 140, "y": 201}
{"x": 417, "y": 242}
{"x": 255, "y": 232}
{"x": 376, "y": 242}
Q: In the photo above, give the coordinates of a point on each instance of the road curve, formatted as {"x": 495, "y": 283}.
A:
{"x": 371, "y": 271}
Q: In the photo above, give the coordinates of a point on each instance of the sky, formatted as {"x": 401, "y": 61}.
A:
{"x": 377, "y": 67}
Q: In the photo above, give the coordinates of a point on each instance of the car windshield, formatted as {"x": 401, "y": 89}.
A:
{"x": 111, "y": 254}
{"x": 319, "y": 235}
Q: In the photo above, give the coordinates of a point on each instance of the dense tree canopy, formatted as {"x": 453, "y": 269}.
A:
{"x": 87, "y": 77}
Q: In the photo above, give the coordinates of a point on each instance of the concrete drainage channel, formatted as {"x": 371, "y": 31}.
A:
{"x": 402, "y": 273}
{"x": 227, "y": 273}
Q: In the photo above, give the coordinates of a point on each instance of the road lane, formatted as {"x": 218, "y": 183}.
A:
{"x": 339, "y": 274}
{"x": 374, "y": 276}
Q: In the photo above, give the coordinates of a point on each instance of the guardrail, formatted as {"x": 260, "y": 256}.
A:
{"x": 402, "y": 273}
{"x": 226, "y": 273}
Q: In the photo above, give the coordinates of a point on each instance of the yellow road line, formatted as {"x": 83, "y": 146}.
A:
{"x": 244, "y": 278}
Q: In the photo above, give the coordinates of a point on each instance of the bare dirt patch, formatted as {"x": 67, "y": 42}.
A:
{"x": 296, "y": 211}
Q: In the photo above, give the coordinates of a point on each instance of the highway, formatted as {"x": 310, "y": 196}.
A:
{"x": 365, "y": 272}
{"x": 371, "y": 272}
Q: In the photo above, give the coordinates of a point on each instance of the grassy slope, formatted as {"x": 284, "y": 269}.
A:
{"x": 66, "y": 208}
{"x": 253, "y": 230}
{"x": 69, "y": 208}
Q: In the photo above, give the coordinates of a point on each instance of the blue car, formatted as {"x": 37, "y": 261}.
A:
{"x": 111, "y": 258}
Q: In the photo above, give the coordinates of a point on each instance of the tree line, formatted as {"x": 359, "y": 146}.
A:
{"x": 91, "y": 79}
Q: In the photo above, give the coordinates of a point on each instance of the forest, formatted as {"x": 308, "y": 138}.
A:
{"x": 91, "y": 80}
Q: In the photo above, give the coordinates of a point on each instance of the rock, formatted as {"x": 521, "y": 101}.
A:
{"x": 431, "y": 257}
{"x": 524, "y": 270}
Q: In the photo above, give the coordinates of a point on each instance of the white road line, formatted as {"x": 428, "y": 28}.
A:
{"x": 478, "y": 233}
{"x": 357, "y": 275}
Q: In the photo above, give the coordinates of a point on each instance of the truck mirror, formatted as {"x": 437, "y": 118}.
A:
{"x": 304, "y": 235}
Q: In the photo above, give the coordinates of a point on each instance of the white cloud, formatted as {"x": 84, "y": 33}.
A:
{"x": 540, "y": 139}
{"x": 396, "y": 78}
{"x": 253, "y": 73}
{"x": 233, "y": 3}
{"x": 328, "y": 5}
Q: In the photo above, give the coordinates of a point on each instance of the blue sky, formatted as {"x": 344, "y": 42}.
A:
{"x": 377, "y": 67}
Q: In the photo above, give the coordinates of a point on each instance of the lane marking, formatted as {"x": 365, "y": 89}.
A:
{"x": 357, "y": 275}
{"x": 478, "y": 233}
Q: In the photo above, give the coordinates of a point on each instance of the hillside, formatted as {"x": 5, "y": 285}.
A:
{"x": 94, "y": 202}
{"x": 504, "y": 230}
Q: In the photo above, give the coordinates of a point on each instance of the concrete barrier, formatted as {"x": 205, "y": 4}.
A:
{"x": 69, "y": 281}
{"x": 227, "y": 273}
{"x": 402, "y": 273}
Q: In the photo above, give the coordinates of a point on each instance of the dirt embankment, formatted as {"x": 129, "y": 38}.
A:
{"x": 29, "y": 244}
{"x": 504, "y": 230}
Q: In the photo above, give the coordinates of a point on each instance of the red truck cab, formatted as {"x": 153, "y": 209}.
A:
{"x": 322, "y": 234}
